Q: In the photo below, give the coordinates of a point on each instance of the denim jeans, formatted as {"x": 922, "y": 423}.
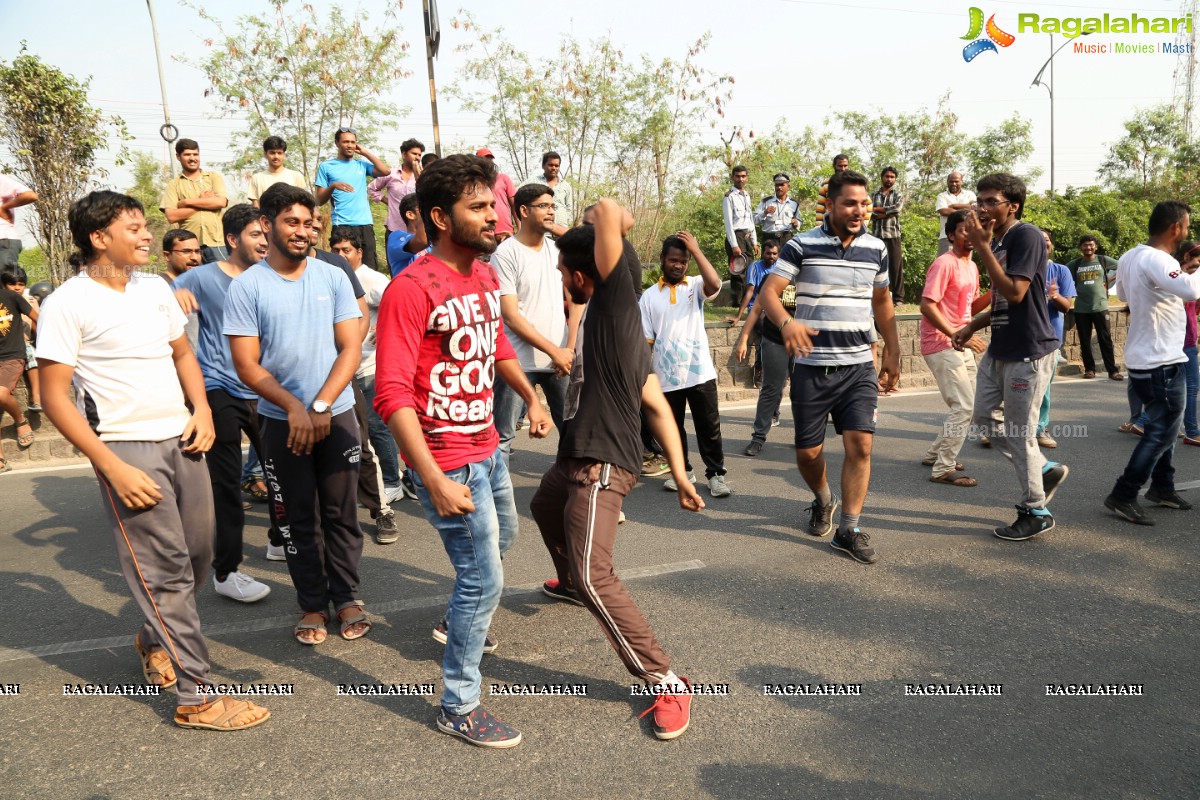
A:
{"x": 1044, "y": 413}
{"x": 381, "y": 438}
{"x": 776, "y": 368}
{"x": 1192, "y": 375}
{"x": 1162, "y": 392}
{"x": 508, "y": 404}
{"x": 475, "y": 543}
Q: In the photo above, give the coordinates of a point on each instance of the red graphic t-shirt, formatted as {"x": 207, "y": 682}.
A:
{"x": 439, "y": 337}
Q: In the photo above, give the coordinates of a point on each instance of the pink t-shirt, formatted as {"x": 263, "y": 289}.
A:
{"x": 504, "y": 192}
{"x": 952, "y": 285}
{"x": 1189, "y": 331}
{"x": 438, "y": 338}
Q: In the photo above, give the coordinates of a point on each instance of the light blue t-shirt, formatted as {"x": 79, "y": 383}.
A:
{"x": 349, "y": 208}
{"x": 211, "y": 287}
{"x": 1066, "y": 287}
{"x": 294, "y": 323}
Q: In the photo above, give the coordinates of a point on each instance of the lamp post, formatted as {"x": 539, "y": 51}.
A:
{"x": 1037, "y": 81}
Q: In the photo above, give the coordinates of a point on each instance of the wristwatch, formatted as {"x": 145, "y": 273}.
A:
{"x": 320, "y": 407}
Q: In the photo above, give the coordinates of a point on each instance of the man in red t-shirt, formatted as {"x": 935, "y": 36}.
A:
{"x": 441, "y": 345}
{"x": 951, "y": 286}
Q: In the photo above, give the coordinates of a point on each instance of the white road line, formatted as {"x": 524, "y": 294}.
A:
{"x": 288, "y": 621}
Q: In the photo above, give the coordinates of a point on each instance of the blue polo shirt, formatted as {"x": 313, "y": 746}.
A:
{"x": 349, "y": 208}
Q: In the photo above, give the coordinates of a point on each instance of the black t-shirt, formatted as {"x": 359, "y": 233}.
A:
{"x": 344, "y": 266}
{"x": 602, "y": 413}
{"x": 12, "y": 329}
{"x": 1022, "y": 332}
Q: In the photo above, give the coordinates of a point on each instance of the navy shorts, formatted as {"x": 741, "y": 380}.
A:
{"x": 850, "y": 393}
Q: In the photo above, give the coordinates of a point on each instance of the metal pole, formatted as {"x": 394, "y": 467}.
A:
{"x": 437, "y": 135}
{"x": 1051, "y": 113}
{"x": 168, "y": 132}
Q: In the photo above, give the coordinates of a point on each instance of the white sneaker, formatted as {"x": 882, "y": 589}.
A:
{"x": 717, "y": 486}
{"x": 275, "y": 553}
{"x": 394, "y": 493}
{"x": 241, "y": 587}
{"x": 671, "y": 486}
{"x": 621, "y": 519}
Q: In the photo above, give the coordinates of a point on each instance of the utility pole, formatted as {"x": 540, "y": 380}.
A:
{"x": 1037, "y": 81}
{"x": 433, "y": 38}
{"x": 168, "y": 132}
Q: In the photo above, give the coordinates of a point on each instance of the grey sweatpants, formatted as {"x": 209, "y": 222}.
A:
{"x": 165, "y": 552}
{"x": 1019, "y": 385}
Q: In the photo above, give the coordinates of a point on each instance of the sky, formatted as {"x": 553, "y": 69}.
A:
{"x": 796, "y": 60}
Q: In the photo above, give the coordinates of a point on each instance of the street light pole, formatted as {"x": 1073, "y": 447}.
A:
{"x": 1037, "y": 81}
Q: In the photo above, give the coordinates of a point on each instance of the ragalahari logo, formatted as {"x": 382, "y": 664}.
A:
{"x": 995, "y": 36}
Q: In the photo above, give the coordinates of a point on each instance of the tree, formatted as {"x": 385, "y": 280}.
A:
{"x": 295, "y": 75}
{"x": 1001, "y": 148}
{"x": 53, "y": 135}
{"x": 148, "y": 185}
{"x": 1144, "y": 158}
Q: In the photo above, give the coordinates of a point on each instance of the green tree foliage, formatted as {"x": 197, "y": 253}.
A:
{"x": 1145, "y": 160}
{"x": 53, "y": 135}
{"x": 148, "y": 185}
{"x": 1117, "y": 220}
{"x": 291, "y": 73}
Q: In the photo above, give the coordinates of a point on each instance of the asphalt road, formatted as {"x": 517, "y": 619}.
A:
{"x": 736, "y": 594}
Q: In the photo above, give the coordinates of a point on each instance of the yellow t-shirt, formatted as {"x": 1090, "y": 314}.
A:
{"x": 261, "y": 181}
{"x": 205, "y": 224}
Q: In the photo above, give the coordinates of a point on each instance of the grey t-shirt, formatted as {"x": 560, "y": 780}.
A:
{"x": 533, "y": 277}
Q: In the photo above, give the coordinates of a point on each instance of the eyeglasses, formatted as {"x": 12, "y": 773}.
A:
{"x": 191, "y": 251}
{"x": 544, "y": 206}
{"x": 991, "y": 202}
{"x": 340, "y": 131}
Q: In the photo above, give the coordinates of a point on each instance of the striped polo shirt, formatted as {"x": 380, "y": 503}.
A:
{"x": 834, "y": 286}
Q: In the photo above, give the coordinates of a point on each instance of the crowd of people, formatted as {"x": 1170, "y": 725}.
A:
{"x": 357, "y": 381}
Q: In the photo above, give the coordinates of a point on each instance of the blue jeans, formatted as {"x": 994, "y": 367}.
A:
{"x": 381, "y": 438}
{"x": 253, "y": 468}
{"x": 1161, "y": 391}
{"x": 508, "y": 404}
{"x": 1044, "y": 413}
{"x": 475, "y": 543}
{"x": 1192, "y": 374}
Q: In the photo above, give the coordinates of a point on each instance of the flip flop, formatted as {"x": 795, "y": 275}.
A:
{"x": 156, "y": 665}
{"x": 303, "y": 626}
{"x": 219, "y": 715}
{"x": 24, "y": 439}
{"x": 347, "y": 623}
{"x": 4, "y": 467}
{"x": 955, "y": 480}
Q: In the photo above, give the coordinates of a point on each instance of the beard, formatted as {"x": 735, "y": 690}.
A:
{"x": 478, "y": 243}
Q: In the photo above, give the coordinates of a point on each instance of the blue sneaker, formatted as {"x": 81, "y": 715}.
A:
{"x": 479, "y": 728}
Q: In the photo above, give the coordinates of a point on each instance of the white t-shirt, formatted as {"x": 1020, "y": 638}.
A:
{"x": 261, "y": 181}
{"x": 374, "y": 283}
{"x": 679, "y": 343}
{"x": 533, "y": 276}
{"x": 119, "y": 343}
{"x": 945, "y": 200}
{"x": 9, "y": 189}
{"x": 1156, "y": 288}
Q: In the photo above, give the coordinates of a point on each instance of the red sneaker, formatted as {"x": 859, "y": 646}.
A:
{"x": 672, "y": 713}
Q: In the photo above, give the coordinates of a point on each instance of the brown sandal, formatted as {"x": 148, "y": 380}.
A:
{"x": 24, "y": 439}
{"x": 955, "y": 480}
{"x": 346, "y": 623}
{"x": 156, "y": 665}
{"x": 220, "y": 715}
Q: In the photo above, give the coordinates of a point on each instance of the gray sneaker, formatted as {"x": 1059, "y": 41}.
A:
{"x": 671, "y": 486}
{"x": 820, "y": 523}
{"x": 717, "y": 486}
{"x": 385, "y": 528}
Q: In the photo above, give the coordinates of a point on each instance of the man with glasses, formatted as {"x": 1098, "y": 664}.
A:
{"x": 344, "y": 181}
{"x": 955, "y": 198}
{"x": 1016, "y": 369}
{"x": 531, "y": 303}
{"x": 182, "y": 251}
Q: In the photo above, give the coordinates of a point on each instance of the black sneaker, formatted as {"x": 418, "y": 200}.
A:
{"x": 1129, "y": 510}
{"x": 554, "y": 588}
{"x": 1170, "y": 499}
{"x": 856, "y": 544}
{"x": 753, "y": 449}
{"x": 1030, "y": 522}
{"x": 439, "y": 634}
{"x": 479, "y": 728}
{"x": 1052, "y": 477}
{"x": 385, "y": 528}
{"x": 820, "y": 523}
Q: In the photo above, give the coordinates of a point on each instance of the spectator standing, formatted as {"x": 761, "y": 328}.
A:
{"x": 181, "y": 248}
{"x": 275, "y": 151}
{"x": 885, "y": 225}
{"x": 505, "y": 193}
{"x": 196, "y": 199}
{"x": 772, "y": 371}
{"x": 13, "y": 195}
{"x": 13, "y": 359}
{"x": 741, "y": 242}
{"x": 343, "y": 181}
{"x": 404, "y": 247}
{"x": 955, "y": 198}
{"x": 778, "y": 214}
{"x": 399, "y": 184}
{"x": 841, "y": 163}
{"x": 1090, "y": 273}
{"x": 564, "y": 193}
{"x": 1060, "y": 299}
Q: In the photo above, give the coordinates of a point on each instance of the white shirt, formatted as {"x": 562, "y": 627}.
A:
{"x": 737, "y": 209}
{"x": 374, "y": 283}
{"x": 533, "y": 277}
{"x": 119, "y": 343}
{"x": 9, "y": 189}
{"x": 780, "y": 220}
{"x": 680, "y": 355}
{"x": 945, "y": 200}
{"x": 1155, "y": 287}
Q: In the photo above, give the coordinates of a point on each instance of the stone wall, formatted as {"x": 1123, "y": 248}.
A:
{"x": 735, "y": 381}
